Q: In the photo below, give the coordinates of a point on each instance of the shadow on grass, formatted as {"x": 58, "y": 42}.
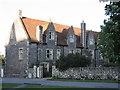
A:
{"x": 97, "y": 81}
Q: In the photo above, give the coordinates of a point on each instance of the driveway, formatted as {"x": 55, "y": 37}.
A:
{"x": 61, "y": 83}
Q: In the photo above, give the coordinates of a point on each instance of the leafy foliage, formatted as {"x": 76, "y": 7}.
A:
{"x": 109, "y": 38}
{"x": 72, "y": 60}
{"x": 3, "y": 59}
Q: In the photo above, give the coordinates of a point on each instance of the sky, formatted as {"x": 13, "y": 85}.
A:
{"x": 66, "y": 12}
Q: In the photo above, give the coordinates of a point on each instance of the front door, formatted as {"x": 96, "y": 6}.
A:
{"x": 47, "y": 70}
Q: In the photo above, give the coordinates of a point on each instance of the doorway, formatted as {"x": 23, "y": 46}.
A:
{"x": 47, "y": 70}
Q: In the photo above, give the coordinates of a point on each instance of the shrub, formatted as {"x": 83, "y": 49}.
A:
{"x": 71, "y": 61}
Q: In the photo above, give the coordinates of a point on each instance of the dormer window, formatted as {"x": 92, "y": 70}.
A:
{"x": 51, "y": 35}
{"x": 71, "y": 38}
{"x": 91, "y": 41}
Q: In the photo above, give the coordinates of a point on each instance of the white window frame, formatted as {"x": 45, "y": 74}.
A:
{"x": 20, "y": 53}
{"x": 50, "y": 54}
{"x": 58, "y": 53}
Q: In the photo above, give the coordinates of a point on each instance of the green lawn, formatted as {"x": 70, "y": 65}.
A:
{"x": 64, "y": 87}
{"x": 33, "y": 87}
{"x": 9, "y": 85}
{"x": 41, "y": 86}
{"x": 99, "y": 81}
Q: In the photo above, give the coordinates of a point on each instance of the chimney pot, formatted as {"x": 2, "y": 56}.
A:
{"x": 19, "y": 13}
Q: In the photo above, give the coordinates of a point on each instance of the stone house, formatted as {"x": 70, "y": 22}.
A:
{"x": 34, "y": 42}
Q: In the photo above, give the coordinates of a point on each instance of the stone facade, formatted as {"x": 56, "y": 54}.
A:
{"x": 88, "y": 73}
{"x": 35, "y": 42}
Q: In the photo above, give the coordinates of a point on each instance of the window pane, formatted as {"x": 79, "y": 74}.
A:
{"x": 49, "y": 54}
{"x": 50, "y": 35}
{"x": 58, "y": 53}
{"x": 20, "y": 53}
{"x": 47, "y": 51}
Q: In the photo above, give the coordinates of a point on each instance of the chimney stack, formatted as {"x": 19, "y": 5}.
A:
{"x": 19, "y": 13}
{"x": 83, "y": 34}
{"x": 39, "y": 35}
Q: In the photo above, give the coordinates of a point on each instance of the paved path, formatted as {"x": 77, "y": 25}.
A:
{"x": 61, "y": 83}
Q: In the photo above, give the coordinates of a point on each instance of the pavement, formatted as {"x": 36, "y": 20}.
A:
{"x": 44, "y": 81}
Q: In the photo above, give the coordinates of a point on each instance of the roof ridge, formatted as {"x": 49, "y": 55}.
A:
{"x": 49, "y": 22}
{"x": 34, "y": 19}
{"x": 56, "y": 23}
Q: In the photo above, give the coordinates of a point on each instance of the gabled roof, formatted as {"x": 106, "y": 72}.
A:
{"x": 62, "y": 30}
{"x": 31, "y": 24}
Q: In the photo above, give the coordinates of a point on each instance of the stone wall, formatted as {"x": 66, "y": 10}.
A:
{"x": 87, "y": 73}
{"x": 16, "y": 67}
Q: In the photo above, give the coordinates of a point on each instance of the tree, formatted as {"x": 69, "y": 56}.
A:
{"x": 109, "y": 37}
{"x": 71, "y": 61}
{"x": 103, "y": 0}
{"x": 109, "y": 0}
{"x": 3, "y": 59}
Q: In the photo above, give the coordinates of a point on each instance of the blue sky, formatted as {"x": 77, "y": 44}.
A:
{"x": 67, "y": 12}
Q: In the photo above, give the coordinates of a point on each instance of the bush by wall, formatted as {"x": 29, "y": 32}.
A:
{"x": 72, "y": 60}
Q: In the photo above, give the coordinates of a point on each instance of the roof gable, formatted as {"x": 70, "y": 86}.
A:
{"x": 62, "y": 30}
{"x": 31, "y": 25}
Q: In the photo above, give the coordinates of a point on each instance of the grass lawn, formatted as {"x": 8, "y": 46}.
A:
{"x": 41, "y": 86}
{"x": 9, "y": 85}
{"x": 99, "y": 81}
{"x": 33, "y": 87}
{"x": 65, "y": 87}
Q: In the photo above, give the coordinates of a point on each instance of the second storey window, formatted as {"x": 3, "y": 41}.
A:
{"x": 51, "y": 35}
{"x": 20, "y": 52}
{"x": 49, "y": 54}
{"x": 58, "y": 53}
